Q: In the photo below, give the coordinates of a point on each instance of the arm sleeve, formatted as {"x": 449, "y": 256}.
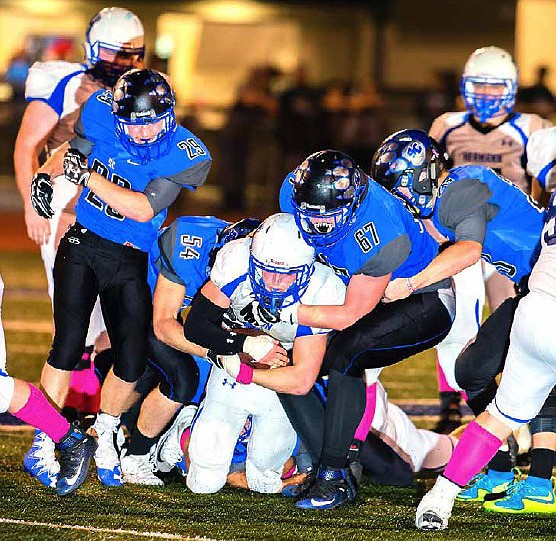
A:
{"x": 464, "y": 209}
{"x": 166, "y": 243}
{"x": 193, "y": 176}
{"x": 80, "y": 141}
{"x": 161, "y": 193}
{"x": 388, "y": 258}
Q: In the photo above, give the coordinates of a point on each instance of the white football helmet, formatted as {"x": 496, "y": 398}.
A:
{"x": 489, "y": 83}
{"x": 114, "y": 43}
{"x": 281, "y": 263}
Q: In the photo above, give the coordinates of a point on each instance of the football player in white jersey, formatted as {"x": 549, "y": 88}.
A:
{"x": 55, "y": 91}
{"x": 489, "y": 133}
{"x": 25, "y": 402}
{"x": 275, "y": 268}
{"x": 541, "y": 163}
{"x": 527, "y": 380}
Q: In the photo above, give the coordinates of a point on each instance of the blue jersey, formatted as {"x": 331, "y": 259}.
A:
{"x": 514, "y": 222}
{"x": 110, "y": 159}
{"x": 183, "y": 252}
{"x": 381, "y": 219}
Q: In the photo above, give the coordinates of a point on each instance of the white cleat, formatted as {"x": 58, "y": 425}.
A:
{"x": 435, "y": 508}
{"x": 106, "y": 429}
{"x": 168, "y": 452}
{"x": 137, "y": 470}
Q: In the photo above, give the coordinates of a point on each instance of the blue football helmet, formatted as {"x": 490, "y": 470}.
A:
{"x": 143, "y": 96}
{"x": 409, "y": 163}
{"x": 279, "y": 253}
{"x": 489, "y": 83}
{"x": 327, "y": 189}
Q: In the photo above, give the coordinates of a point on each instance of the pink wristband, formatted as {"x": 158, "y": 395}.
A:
{"x": 245, "y": 375}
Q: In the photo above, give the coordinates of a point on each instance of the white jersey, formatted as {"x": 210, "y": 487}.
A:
{"x": 230, "y": 274}
{"x": 541, "y": 157}
{"x": 63, "y": 86}
{"x": 543, "y": 276}
{"x": 502, "y": 148}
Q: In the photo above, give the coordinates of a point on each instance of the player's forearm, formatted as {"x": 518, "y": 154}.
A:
{"x": 128, "y": 203}
{"x": 54, "y": 165}
{"x": 452, "y": 260}
{"x": 170, "y": 332}
{"x": 26, "y": 162}
{"x": 288, "y": 379}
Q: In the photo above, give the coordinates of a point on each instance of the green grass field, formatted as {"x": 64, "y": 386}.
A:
{"x": 30, "y": 511}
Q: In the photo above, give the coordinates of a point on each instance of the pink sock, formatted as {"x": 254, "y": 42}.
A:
{"x": 38, "y": 412}
{"x": 184, "y": 435}
{"x": 443, "y": 385}
{"x": 472, "y": 453}
{"x": 368, "y": 415}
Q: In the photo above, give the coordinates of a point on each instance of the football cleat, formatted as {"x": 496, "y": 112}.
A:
{"x": 76, "y": 450}
{"x": 138, "y": 470}
{"x": 40, "y": 460}
{"x": 107, "y": 456}
{"x": 435, "y": 508}
{"x": 333, "y": 487}
{"x": 485, "y": 483}
{"x": 168, "y": 452}
{"x": 530, "y": 495}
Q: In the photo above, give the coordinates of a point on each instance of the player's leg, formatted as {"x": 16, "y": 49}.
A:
{"x": 528, "y": 377}
{"x": 498, "y": 287}
{"x": 126, "y": 304}
{"x": 211, "y": 447}
{"x": 76, "y": 449}
{"x": 470, "y": 299}
{"x": 271, "y": 444}
{"x": 389, "y": 334}
{"x": 476, "y": 368}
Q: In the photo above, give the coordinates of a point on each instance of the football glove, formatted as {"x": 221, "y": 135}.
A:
{"x": 41, "y": 195}
{"x": 258, "y": 346}
{"x": 257, "y": 315}
{"x": 75, "y": 167}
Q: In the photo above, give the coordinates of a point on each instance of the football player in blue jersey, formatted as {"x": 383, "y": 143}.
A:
{"x": 368, "y": 237}
{"x": 481, "y": 214}
{"x": 55, "y": 91}
{"x": 179, "y": 264}
{"x": 132, "y": 161}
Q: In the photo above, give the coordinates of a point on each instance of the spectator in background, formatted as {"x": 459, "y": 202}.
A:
{"x": 440, "y": 97}
{"x": 246, "y": 140}
{"x": 538, "y": 98}
{"x": 364, "y": 125}
{"x": 299, "y": 129}
{"x": 333, "y": 104}
{"x": 16, "y": 74}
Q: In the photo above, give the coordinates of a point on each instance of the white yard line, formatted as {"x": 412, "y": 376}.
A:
{"x": 159, "y": 535}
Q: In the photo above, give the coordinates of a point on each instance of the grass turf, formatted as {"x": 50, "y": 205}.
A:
{"x": 379, "y": 513}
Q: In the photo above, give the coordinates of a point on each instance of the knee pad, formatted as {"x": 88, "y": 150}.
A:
{"x": 6, "y": 391}
{"x": 205, "y": 480}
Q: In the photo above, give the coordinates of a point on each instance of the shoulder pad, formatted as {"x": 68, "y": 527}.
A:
{"x": 232, "y": 261}
{"x": 44, "y": 77}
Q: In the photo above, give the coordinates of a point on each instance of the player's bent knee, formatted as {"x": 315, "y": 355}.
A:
{"x": 263, "y": 481}
{"x": 205, "y": 480}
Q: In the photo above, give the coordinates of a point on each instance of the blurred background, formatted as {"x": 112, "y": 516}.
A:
{"x": 266, "y": 83}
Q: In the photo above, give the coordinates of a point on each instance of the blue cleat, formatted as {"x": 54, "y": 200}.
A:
{"x": 76, "y": 451}
{"x": 530, "y": 495}
{"x": 485, "y": 483}
{"x": 40, "y": 460}
{"x": 107, "y": 455}
{"x": 333, "y": 487}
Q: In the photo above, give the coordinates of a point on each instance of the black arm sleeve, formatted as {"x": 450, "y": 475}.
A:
{"x": 161, "y": 193}
{"x": 80, "y": 141}
{"x": 203, "y": 326}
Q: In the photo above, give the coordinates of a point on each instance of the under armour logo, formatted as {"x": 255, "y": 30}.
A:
{"x": 74, "y": 240}
{"x": 226, "y": 382}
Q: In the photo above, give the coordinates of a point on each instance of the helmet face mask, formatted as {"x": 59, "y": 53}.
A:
{"x": 409, "y": 163}
{"x": 281, "y": 263}
{"x": 143, "y": 109}
{"x": 489, "y": 83}
{"x": 114, "y": 43}
{"x": 328, "y": 187}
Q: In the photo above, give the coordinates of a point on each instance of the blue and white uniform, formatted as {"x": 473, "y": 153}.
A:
{"x": 541, "y": 152}
{"x": 228, "y": 404}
